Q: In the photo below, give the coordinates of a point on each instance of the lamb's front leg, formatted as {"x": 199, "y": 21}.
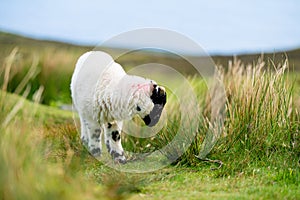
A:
{"x": 113, "y": 141}
{"x": 91, "y": 136}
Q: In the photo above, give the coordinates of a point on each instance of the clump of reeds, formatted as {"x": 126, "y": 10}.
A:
{"x": 261, "y": 124}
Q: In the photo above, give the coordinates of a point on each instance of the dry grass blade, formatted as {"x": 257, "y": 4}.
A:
{"x": 16, "y": 107}
{"x": 33, "y": 71}
{"x": 37, "y": 96}
{"x": 7, "y": 66}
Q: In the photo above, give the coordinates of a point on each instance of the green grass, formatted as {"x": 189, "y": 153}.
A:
{"x": 186, "y": 183}
{"x": 42, "y": 157}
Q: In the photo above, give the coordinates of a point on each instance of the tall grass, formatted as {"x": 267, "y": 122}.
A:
{"x": 262, "y": 123}
{"x": 262, "y": 127}
{"x": 26, "y": 172}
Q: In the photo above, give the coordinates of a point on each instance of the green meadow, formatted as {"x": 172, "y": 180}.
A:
{"x": 256, "y": 156}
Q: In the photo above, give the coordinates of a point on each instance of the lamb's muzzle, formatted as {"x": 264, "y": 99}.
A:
{"x": 159, "y": 98}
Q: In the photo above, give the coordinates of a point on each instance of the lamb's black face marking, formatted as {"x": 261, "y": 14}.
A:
{"x": 115, "y": 136}
{"x": 159, "y": 98}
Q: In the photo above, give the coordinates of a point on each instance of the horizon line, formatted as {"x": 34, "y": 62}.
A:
{"x": 91, "y": 44}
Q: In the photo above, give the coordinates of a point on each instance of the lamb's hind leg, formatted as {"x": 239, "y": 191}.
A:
{"x": 113, "y": 141}
{"x": 92, "y": 137}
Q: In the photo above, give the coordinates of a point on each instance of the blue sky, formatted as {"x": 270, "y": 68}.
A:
{"x": 231, "y": 26}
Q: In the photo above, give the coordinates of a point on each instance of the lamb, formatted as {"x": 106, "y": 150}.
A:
{"x": 104, "y": 95}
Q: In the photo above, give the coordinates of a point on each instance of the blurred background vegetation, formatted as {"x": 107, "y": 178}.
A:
{"x": 55, "y": 62}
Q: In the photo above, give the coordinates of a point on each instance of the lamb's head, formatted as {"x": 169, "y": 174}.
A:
{"x": 150, "y": 105}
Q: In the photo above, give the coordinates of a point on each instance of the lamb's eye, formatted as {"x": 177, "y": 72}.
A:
{"x": 138, "y": 108}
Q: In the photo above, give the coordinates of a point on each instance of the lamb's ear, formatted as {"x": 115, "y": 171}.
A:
{"x": 152, "y": 86}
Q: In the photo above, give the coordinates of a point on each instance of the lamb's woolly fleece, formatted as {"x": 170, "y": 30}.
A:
{"x": 103, "y": 92}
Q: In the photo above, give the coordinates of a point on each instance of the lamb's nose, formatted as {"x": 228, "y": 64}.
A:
{"x": 153, "y": 118}
{"x": 147, "y": 120}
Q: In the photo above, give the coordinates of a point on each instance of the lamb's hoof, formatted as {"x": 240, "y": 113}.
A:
{"x": 96, "y": 152}
{"x": 84, "y": 141}
{"x": 121, "y": 160}
{"x": 118, "y": 158}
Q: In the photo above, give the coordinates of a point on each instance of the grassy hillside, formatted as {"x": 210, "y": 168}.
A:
{"x": 54, "y": 63}
{"x": 42, "y": 157}
{"x": 9, "y": 41}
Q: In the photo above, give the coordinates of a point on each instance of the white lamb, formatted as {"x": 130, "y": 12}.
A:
{"x": 104, "y": 95}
